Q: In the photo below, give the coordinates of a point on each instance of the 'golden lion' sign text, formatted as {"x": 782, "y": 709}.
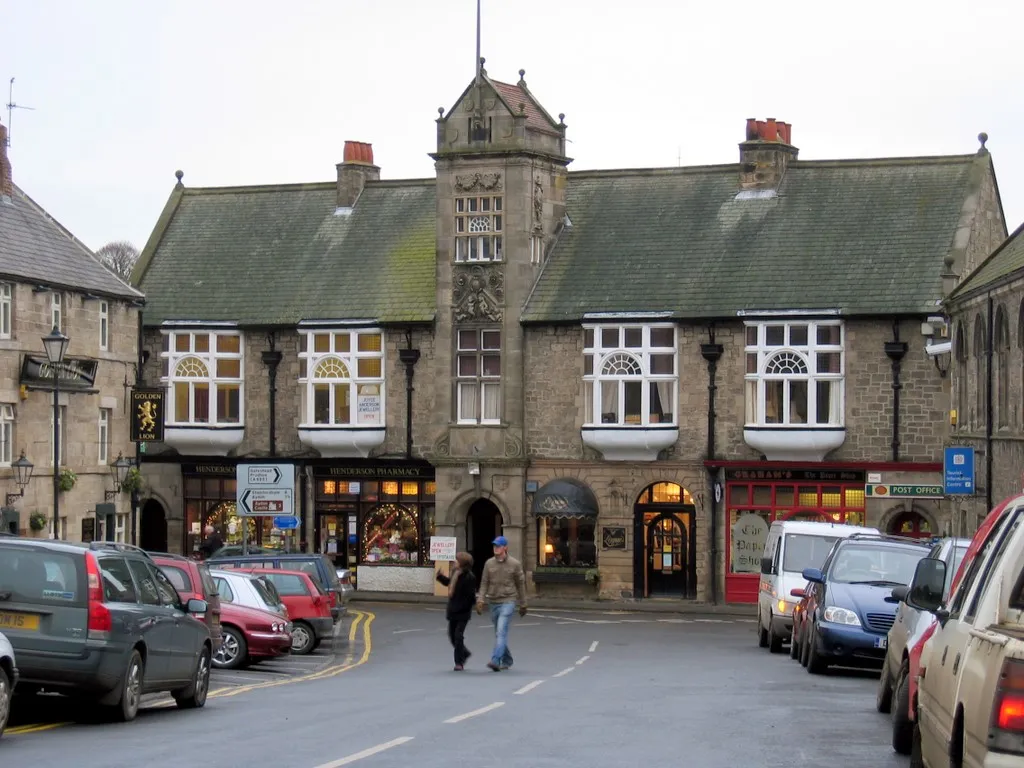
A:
{"x": 147, "y": 415}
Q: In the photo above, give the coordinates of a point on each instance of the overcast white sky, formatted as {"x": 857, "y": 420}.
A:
{"x": 255, "y": 92}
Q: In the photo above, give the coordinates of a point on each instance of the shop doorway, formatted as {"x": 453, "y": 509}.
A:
{"x": 483, "y": 525}
{"x": 665, "y": 563}
{"x": 153, "y": 527}
{"x": 911, "y": 525}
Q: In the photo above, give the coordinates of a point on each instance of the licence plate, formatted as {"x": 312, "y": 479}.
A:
{"x": 26, "y": 621}
{"x": 881, "y": 642}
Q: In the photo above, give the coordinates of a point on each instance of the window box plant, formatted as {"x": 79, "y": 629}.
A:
{"x": 557, "y": 574}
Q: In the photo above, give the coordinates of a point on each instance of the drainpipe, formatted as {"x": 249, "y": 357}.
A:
{"x": 140, "y": 350}
{"x": 895, "y": 350}
{"x": 712, "y": 353}
{"x": 409, "y": 357}
{"x": 990, "y": 332}
{"x": 271, "y": 359}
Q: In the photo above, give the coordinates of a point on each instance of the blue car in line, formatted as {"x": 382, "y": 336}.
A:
{"x": 850, "y": 615}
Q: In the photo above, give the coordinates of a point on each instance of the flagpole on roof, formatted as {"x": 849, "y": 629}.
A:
{"x": 477, "y": 63}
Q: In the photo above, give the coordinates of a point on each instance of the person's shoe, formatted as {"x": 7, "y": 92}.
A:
{"x": 493, "y": 667}
{"x": 458, "y": 667}
{"x": 505, "y": 666}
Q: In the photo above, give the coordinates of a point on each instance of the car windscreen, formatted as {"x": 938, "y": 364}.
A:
{"x": 879, "y": 564}
{"x": 804, "y": 550}
{"x": 42, "y": 576}
{"x": 287, "y": 584}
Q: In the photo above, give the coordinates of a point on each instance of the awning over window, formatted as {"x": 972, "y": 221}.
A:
{"x": 565, "y": 497}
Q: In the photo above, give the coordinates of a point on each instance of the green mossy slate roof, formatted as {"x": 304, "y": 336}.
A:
{"x": 1004, "y": 261}
{"x": 276, "y": 255}
{"x": 859, "y": 236}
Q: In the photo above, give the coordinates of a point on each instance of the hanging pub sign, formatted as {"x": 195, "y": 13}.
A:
{"x": 147, "y": 415}
{"x": 37, "y": 372}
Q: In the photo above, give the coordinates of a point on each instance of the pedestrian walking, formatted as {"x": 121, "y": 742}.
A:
{"x": 503, "y": 584}
{"x": 461, "y": 596}
{"x": 211, "y": 544}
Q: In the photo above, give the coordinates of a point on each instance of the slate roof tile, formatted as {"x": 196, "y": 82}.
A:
{"x": 35, "y": 248}
{"x": 1006, "y": 260}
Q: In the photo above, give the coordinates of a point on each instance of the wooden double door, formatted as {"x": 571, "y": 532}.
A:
{"x": 665, "y": 563}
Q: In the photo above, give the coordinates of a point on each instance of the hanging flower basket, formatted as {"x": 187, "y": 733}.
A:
{"x": 37, "y": 521}
{"x": 593, "y": 577}
{"x": 67, "y": 480}
{"x": 132, "y": 481}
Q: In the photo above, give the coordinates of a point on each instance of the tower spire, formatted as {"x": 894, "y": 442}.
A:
{"x": 478, "y": 66}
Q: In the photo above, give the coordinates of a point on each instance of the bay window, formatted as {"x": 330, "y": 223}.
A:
{"x": 342, "y": 378}
{"x": 630, "y": 375}
{"x": 204, "y": 377}
{"x": 794, "y": 373}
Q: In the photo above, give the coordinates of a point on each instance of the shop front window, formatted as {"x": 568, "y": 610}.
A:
{"x": 211, "y": 501}
{"x": 566, "y": 542}
{"x": 391, "y": 536}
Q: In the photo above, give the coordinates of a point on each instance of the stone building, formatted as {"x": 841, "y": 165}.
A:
{"x": 987, "y": 348}
{"x": 48, "y": 279}
{"x": 629, "y": 373}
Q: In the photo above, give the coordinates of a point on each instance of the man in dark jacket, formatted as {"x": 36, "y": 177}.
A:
{"x": 212, "y": 543}
{"x": 461, "y": 598}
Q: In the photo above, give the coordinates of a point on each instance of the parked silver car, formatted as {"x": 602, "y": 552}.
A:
{"x": 250, "y": 590}
{"x": 8, "y": 679}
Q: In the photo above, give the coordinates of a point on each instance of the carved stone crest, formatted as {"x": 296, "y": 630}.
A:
{"x": 501, "y": 483}
{"x": 478, "y": 293}
{"x": 513, "y": 446}
{"x": 488, "y": 182}
{"x": 442, "y": 446}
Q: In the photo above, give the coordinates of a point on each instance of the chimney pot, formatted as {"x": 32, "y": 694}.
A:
{"x": 765, "y": 154}
{"x": 751, "y": 128}
{"x": 354, "y": 171}
{"x": 771, "y": 130}
{"x": 358, "y": 152}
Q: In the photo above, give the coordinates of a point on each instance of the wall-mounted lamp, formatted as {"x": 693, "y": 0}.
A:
{"x": 118, "y": 474}
{"x": 22, "y": 474}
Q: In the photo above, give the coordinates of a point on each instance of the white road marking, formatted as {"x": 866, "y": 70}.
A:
{"x": 563, "y": 622}
{"x": 564, "y": 672}
{"x": 528, "y": 687}
{"x": 475, "y": 712}
{"x": 634, "y": 621}
{"x": 593, "y": 646}
{"x": 676, "y": 621}
{"x": 530, "y": 624}
{"x": 580, "y": 661}
{"x": 367, "y": 753}
{"x": 712, "y": 621}
{"x": 403, "y": 631}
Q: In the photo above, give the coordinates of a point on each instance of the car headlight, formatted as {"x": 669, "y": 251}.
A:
{"x": 841, "y": 616}
{"x": 783, "y": 607}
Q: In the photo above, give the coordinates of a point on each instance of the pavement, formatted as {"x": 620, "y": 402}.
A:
{"x": 588, "y": 688}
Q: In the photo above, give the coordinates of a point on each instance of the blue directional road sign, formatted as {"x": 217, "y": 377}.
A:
{"x": 286, "y": 523}
{"x": 958, "y": 471}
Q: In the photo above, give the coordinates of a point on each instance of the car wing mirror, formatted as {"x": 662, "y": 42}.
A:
{"x": 196, "y": 606}
{"x": 798, "y": 592}
{"x": 814, "y": 575}
{"x": 925, "y": 591}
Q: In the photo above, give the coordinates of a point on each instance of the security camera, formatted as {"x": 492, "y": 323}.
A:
{"x": 942, "y": 348}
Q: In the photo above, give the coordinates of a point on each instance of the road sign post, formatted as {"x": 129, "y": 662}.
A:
{"x": 264, "y": 490}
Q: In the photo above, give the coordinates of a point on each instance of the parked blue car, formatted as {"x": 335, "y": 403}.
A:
{"x": 850, "y": 620}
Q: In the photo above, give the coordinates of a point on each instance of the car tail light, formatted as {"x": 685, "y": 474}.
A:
{"x": 1008, "y": 709}
{"x": 99, "y": 615}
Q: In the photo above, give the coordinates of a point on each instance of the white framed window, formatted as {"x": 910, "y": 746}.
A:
{"x": 795, "y": 373}
{"x": 630, "y": 375}
{"x": 120, "y": 525}
{"x": 6, "y": 434}
{"x": 6, "y": 300}
{"x": 62, "y": 428}
{"x": 104, "y": 436}
{"x": 478, "y": 228}
{"x": 104, "y": 325}
{"x": 204, "y": 377}
{"x": 478, "y": 376}
{"x": 342, "y": 373}
{"x": 57, "y": 310}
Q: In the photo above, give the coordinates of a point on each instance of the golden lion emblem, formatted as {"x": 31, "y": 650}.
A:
{"x": 147, "y": 416}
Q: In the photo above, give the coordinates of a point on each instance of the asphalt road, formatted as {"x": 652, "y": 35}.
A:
{"x": 587, "y": 689}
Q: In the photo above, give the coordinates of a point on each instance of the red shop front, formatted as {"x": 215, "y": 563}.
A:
{"x": 754, "y": 498}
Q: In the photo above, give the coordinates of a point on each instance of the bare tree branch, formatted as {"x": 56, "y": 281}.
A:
{"x": 120, "y": 257}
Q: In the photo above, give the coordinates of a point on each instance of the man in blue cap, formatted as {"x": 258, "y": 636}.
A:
{"x": 503, "y": 584}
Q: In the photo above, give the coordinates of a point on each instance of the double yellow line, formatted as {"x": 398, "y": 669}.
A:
{"x": 361, "y": 622}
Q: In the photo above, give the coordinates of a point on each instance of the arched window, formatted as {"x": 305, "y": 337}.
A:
{"x": 962, "y": 375}
{"x": 391, "y": 535}
{"x": 204, "y": 371}
{"x": 980, "y": 374}
{"x": 1002, "y": 350}
{"x": 345, "y": 381}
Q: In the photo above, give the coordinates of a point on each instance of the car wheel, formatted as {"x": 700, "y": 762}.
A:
{"x": 902, "y": 725}
{"x": 303, "y": 638}
{"x": 883, "y": 697}
{"x": 774, "y": 641}
{"x": 815, "y": 664}
{"x": 794, "y": 645}
{"x": 805, "y": 646}
{"x": 131, "y": 689}
{"x": 916, "y": 760}
{"x": 194, "y": 696}
{"x": 762, "y": 633}
{"x": 233, "y": 651}
{"x": 6, "y": 694}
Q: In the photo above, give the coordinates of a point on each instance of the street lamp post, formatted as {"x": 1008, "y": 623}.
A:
{"x": 22, "y": 474}
{"x": 118, "y": 473}
{"x": 56, "y": 344}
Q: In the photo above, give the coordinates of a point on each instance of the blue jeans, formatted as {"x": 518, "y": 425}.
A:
{"x": 501, "y": 613}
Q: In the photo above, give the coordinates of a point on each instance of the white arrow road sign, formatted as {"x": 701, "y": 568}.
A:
{"x": 265, "y": 489}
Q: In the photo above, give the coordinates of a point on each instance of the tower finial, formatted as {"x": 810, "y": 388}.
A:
{"x": 479, "y": 63}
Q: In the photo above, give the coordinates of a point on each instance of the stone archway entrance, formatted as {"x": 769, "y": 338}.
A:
{"x": 483, "y": 525}
{"x": 153, "y": 527}
{"x": 665, "y": 562}
{"x": 911, "y": 524}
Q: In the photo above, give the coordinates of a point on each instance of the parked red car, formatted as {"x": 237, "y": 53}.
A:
{"x": 250, "y": 635}
{"x": 309, "y": 607}
{"x": 192, "y": 580}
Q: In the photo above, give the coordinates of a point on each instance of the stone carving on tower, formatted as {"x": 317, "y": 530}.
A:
{"x": 478, "y": 293}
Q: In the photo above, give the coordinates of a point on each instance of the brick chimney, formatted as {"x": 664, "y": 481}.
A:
{"x": 354, "y": 171}
{"x": 6, "y": 174}
{"x": 765, "y": 154}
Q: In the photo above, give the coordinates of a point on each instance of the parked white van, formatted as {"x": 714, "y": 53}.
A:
{"x": 792, "y": 545}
